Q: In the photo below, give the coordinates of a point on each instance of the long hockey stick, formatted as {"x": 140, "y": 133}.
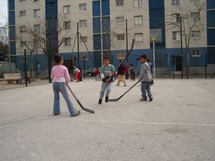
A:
{"x": 83, "y": 108}
{"x": 132, "y": 47}
{"x": 117, "y": 99}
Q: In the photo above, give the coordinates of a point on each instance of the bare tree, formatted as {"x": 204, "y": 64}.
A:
{"x": 190, "y": 17}
{"x": 4, "y": 33}
{"x": 37, "y": 36}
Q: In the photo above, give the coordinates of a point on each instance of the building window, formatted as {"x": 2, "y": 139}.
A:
{"x": 66, "y": 9}
{"x": 138, "y": 20}
{"x": 22, "y": 13}
{"x": 37, "y": 28}
{"x": 175, "y": 2}
{"x": 120, "y": 20}
{"x": 119, "y": 3}
{"x": 137, "y": 3}
{"x": 83, "y": 7}
{"x": 67, "y": 41}
{"x": 195, "y": 34}
{"x": 66, "y": 25}
{"x": 138, "y": 37}
{"x": 120, "y": 36}
{"x": 37, "y": 13}
{"x": 22, "y": 29}
{"x": 83, "y": 39}
{"x": 195, "y": 53}
{"x": 175, "y": 35}
{"x": 83, "y": 23}
{"x": 176, "y": 17}
{"x": 22, "y": 44}
{"x": 195, "y": 16}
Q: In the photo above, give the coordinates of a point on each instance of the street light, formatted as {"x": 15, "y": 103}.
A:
{"x": 154, "y": 64}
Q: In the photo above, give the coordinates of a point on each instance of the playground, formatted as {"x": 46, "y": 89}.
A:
{"x": 178, "y": 125}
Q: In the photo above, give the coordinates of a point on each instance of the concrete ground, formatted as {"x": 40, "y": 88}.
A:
{"x": 4, "y": 84}
{"x": 179, "y": 125}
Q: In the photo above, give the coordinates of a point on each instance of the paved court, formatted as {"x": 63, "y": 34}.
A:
{"x": 179, "y": 125}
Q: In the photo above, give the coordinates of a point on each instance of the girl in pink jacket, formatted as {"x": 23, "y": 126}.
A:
{"x": 60, "y": 76}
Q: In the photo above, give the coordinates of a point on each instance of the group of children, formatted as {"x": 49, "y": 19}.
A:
{"x": 60, "y": 77}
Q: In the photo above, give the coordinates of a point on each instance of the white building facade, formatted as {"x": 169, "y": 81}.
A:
{"x": 91, "y": 29}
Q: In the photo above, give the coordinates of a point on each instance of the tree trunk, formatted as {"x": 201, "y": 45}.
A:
{"x": 187, "y": 63}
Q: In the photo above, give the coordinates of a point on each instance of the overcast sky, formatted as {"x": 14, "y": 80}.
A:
{"x": 3, "y": 11}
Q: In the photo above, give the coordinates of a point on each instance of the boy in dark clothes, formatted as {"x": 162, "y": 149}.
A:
{"x": 145, "y": 78}
{"x": 121, "y": 74}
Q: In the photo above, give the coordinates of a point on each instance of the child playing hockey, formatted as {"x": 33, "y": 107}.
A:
{"x": 107, "y": 70}
{"x": 145, "y": 78}
{"x": 60, "y": 76}
{"x": 97, "y": 72}
{"x": 77, "y": 73}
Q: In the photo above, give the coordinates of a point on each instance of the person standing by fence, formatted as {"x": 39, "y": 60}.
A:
{"x": 132, "y": 72}
{"x": 121, "y": 74}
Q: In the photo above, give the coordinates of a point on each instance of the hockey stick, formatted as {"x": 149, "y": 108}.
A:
{"x": 83, "y": 108}
{"x": 132, "y": 47}
{"x": 117, "y": 99}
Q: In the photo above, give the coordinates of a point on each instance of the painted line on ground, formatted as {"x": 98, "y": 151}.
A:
{"x": 145, "y": 123}
{"x": 117, "y": 122}
{"x": 4, "y": 103}
{"x": 18, "y": 122}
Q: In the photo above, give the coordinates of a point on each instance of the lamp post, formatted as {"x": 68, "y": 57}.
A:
{"x": 181, "y": 48}
{"x": 49, "y": 45}
{"x": 84, "y": 61}
{"x": 78, "y": 45}
{"x": 126, "y": 21}
{"x": 154, "y": 63}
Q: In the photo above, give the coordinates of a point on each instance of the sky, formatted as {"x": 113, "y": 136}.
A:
{"x": 3, "y": 11}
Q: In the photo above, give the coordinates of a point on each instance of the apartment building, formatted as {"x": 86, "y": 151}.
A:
{"x": 107, "y": 28}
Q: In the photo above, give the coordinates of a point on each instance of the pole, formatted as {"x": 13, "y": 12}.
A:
{"x": 9, "y": 39}
{"x": 181, "y": 48}
{"x": 84, "y": 64}
{"x": 206, "y": 66}
{"x": 126, "y": 21}
{"x": 173, "y": 67}
{"x": 101, "y": 31}
{"x": 25, "y": 68}
{"x": 36, "y": 60}
{"x": 154, "y": 63}
{"x": 78, "y": 52}
{"x": 49, "y": 45}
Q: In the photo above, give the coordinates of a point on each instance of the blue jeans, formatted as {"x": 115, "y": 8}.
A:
{"x": 145, "y": 89}
{"x": 59, "y": 87}
{"x": 105, "y": 88}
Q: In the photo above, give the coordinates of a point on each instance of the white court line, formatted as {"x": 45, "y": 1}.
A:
{"x": 4, "y": 103}
{"x": 120, "y": 122}
{"x": 12, "y": 124}
{"x": 144, "y": 123}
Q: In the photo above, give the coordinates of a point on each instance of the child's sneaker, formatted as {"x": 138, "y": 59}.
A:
{"x": 106, "y": 99}
{"x": 143, "y": 99}
{"x": 100, "y": 101}
{"x": 78, "y": 113}
{"x": 150, "y": 99}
